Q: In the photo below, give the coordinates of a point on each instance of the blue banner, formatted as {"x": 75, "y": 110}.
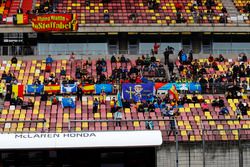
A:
{"x": 68, "y": 102}
{"x": 68, "y": 88}
{"x": 107, "y": 88}
{"x": 195, "y": 87}
{"x": 192, "y": 87}
{"x": 137, "y": 92}
{"x": 34, "y": 88}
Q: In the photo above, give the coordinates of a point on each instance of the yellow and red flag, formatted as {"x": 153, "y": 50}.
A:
{"x": 54, "y": 88}
{"x": 18, "y": 90}
{"x": 173, "y": 91}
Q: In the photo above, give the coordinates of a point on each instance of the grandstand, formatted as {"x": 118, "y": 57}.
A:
{"x": 124, "y": 83}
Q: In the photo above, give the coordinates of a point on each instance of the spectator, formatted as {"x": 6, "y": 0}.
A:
{"x": 123, "y": 59}
{"x": 204, "y": 106}
{"x": 48, "y": 67}
{"x": 103, "y": 97}
{"x": 14, "y": 60}
{"x": 172, "y": 126}
{"x": 95, "y": 105}
{"x": 106, "y": 16}
{"x": 79, "y": 93}
{"x": 149, "y": 124}
{"x": 132, "y": 16}
{"x": 30, "y": 104}
{"x": 54, "y": 100}
{"x": 156, "y": 48}
{"x": 224, "y": 111}
{"x": 49, "y": 60}
{"x": 140, "y": 108}
{"x": 113, "y": 59}
{"x": 19, "y": 101}
{"x": 118, "y": 117}
{"x": 63, "y": 72}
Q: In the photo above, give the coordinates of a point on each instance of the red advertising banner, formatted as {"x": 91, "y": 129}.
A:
{"x": 55, "y": 22}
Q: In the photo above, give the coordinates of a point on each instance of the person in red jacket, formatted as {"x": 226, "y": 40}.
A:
{"x": 156, "y": 48}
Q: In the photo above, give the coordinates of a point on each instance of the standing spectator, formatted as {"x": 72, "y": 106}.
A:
{"x": 103, "y": 97}
{"x": 156, "y": 48}
{"x": 172, "y": 126}
{"x": 95, "y": 105}
{"x": 149, "y": 123}
{"x": 118, "y": 117}
{"x": 79, "y": 93}
{"x": 54, "y": 100}
{"x": 49, "y": 60}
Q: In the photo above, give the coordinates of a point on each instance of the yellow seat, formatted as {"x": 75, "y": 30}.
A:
{"x": 104, "y": 124}
{"x": 109, "y": 115}
{"x": 78, "y": 129}
{"x": 220, "y": 127}
{"x": 180, "y": 123}
{"x": 97, "y": 115}
{"x": 192, "y": 138}
{"x": 85, "y": 124}
{"x": 39, "y": 125}
{"x": 127, "y": 110}
{"x": 136, "y": 124}
{"x": 184, "y": 133}
{"x": 161, "y": 123}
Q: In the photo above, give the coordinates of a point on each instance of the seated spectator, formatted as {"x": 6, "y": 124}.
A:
{"x": 118, "y": 116}
{"x": 149, "y": 123}
{"x": 106, "y": 16}
{"x": 4, "y": 75}
{"x": 195, "y": 99}
{"x": 204, "y": 106}
{"x": 224, "y": 111}
{"x": 215, "y": 102}
{"x": 19, "y": 101}
{"x": 140, "y": 108}
{"x": 210, "y": 58}
{"x": 221, "y": 102}
{"x": 132, "y": 17}
{"x": 14, "y": 60}
{"x": 221, "y": 58}
{"x": 54, "y": 100}
{"x": 48, "y": 67}
{"x": 63, "y": 72}
{"x": 37, "y": 82}
{"x": 8, "y": 78}
{"x": 30, "y": 104}
{"x": 113, "y": 59}
{"x": 123, "y": 59}
{"x": 151, "y": 107}
{"x": 13, "y": 99}
{"x": 139, "y": 61}
{"x": 125, "y": 104}
{"x": 49, "y": 60}
{"x": 8, "y": 96}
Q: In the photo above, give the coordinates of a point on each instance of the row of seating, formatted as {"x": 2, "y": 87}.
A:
{"x": 57, "y": 118}
{"x": 120, "y": 10}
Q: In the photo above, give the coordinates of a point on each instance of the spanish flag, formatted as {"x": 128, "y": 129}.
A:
{"x": 18, "y": 90}
{"x": 173, "y": 91}
{"x": 52, "y": 88}
{"x": 88, "y": 88}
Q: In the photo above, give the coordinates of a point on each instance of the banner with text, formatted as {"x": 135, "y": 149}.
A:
{"x": 55, "y": 22}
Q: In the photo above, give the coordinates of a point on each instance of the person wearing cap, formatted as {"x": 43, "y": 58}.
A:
{"x": 106, "y": 16}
